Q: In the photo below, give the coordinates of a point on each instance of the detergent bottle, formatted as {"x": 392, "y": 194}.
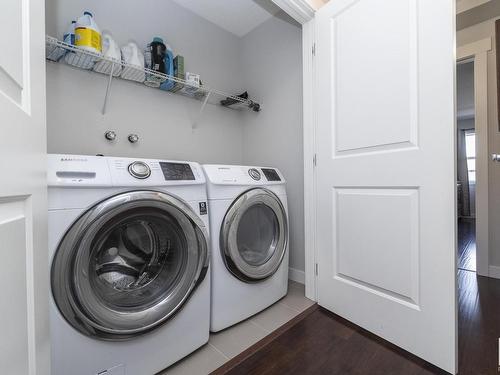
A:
{"x": 69, "y": 35}
{"x": 133, "y": 60}
{"x": 169, "y": 69}
{"x": 154, "y": 56}
{"x": 87, "y": 34}
{"x": 112, "y": 56}
{"x": 69, "y": 38}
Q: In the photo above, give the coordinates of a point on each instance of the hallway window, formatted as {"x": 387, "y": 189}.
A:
{"x": 470, "y": 149}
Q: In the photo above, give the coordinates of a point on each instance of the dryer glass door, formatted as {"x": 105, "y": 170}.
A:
{"x": 128, "y": 264}
{"x": 254, "y": 235}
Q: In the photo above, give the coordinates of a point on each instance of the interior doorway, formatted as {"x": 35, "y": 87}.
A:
{"x": 472, "y": 168}
{"x": 466, "y": 167}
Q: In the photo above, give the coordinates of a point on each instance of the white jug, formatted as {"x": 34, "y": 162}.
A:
{"x": 87, "y": 34}
{"x": 111, "y": 53}
{"x": 133, "y": 60}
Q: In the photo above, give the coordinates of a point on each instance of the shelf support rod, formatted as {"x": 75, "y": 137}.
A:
{"x": 108, "y": 89}
{"x": 203, "y": 105}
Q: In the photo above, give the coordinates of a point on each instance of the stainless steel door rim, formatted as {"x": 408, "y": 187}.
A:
{"x": 254, "y": 235}
{"x": 128, "y": 264}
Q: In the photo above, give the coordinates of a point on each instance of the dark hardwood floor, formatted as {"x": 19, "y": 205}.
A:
{"x": 323, "y": 343}
{"x": 467, "y": 244}
{"x": 478, "y": 324}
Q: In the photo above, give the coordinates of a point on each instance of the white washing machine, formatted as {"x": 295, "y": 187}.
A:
{"x": 128, "y": 242}
{"x": 249, "y": 238}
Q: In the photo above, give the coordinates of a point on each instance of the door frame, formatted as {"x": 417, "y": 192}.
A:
{"x": 309, "y": 150}
{"x": 478, "y": 53}
{"x": 303, "y": 12}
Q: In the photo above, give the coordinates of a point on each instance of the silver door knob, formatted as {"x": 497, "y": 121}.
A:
{"x": 133, "y": 138}
{"x": 495, "y": 157}
{"x": 110, "y": 135}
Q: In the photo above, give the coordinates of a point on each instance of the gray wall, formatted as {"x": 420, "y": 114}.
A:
{"x": 162, "y": 120}
{"x": 267, "y": 62}
{"x": 271, "y": 56}
{"x": 465, "y": 86}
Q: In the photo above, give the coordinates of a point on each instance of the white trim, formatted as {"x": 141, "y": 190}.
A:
{"x": 309, "y": 150}
{"x": 494, "y": 271}
{"x": 467, "y": 51}
{"x": 300, "y": 10}
{"x": 296, "y": 275}
{"x": 479, "y": 52}
{"x": 465, "y": 5}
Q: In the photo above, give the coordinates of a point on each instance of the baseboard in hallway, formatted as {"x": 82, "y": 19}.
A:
{"x": 494, "y": 271}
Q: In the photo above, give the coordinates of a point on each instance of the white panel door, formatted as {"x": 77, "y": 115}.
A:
{"x": 24, "y": 341}
{"x": 385, "y": 170}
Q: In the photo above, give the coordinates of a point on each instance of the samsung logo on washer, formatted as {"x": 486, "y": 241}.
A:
{"x": 74, "y": 159}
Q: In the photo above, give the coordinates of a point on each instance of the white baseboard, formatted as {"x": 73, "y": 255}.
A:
{"x": 494, "y": 271}
{"x": 297, "y": 275}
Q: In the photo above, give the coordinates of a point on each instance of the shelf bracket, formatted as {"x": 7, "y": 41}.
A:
{"x": 200, "y": 113}
{"x": 108, "y": 89}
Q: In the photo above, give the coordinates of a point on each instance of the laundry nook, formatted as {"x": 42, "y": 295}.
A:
{"x": 250, "y": 187}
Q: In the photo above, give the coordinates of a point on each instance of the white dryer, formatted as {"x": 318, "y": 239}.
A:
{"x": 128, "y": 241}
{"x": 249, "y": 238}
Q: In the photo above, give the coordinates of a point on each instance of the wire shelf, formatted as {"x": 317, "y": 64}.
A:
{"x": 58, "y": 51}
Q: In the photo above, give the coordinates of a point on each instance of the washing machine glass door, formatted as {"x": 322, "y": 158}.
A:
{"x": 128, "y": 264}
{"x": 254, "y": 235}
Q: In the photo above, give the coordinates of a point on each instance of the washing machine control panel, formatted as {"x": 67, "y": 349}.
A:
{"x": 150, "y": 172}
{"x": 177, "y": 171}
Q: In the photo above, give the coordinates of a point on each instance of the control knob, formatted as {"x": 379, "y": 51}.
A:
{"x": 254, "y": 173}
{"x": 139, "y": 169}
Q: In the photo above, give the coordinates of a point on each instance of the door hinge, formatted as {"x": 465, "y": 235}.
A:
{"x": 315, "y": 160}
{"x": 314, "y": 49}
{"x": 316, "y": 269}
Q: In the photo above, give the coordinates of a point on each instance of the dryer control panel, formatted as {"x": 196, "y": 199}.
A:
{"x": 243, "y": 175}
{"x": 271, "y": 174}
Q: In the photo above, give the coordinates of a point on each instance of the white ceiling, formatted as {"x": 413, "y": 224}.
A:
{"x": 236, "y": 16}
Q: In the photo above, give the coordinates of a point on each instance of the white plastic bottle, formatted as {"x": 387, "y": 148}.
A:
{"x": 133, "y": 60}
{"x": 111, "y": 52}
{"x": 88, "y": 34}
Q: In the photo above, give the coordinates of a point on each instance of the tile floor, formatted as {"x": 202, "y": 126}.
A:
{"x": 225, "y": 345}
